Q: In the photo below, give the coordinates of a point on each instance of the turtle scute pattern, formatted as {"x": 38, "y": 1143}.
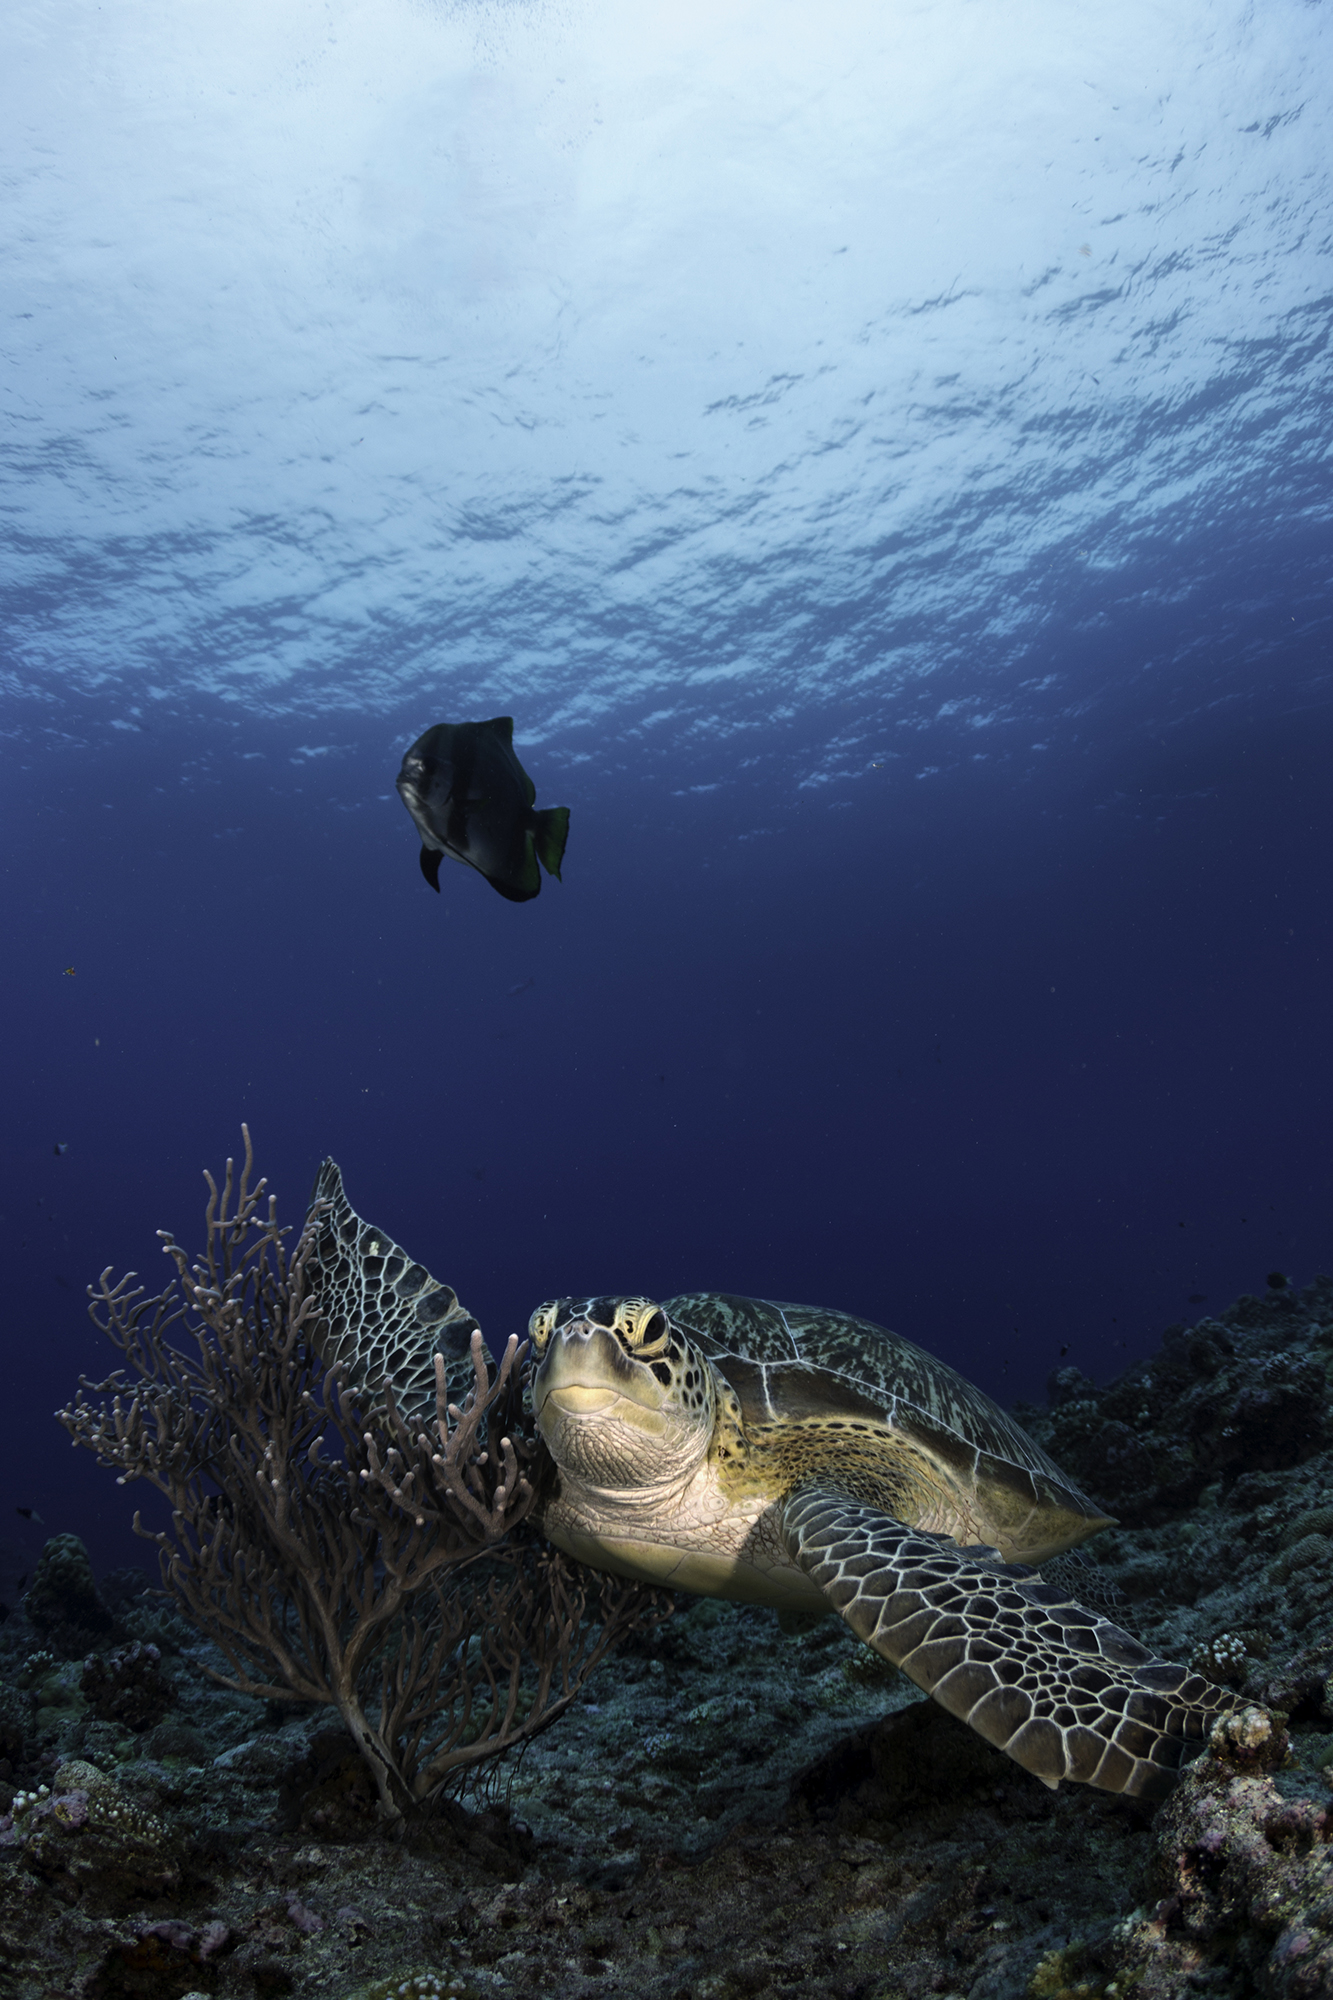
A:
{"x": 383, "y": 1318}
{"x": 782, "y": 1354}
{"x": 1057, "y": 1687}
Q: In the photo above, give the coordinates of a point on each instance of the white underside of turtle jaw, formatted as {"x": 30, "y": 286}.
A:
{"x": 683, "y": 1535}
{"x": 603, "y": 1440}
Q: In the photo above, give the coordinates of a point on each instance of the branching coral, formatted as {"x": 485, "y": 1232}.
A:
{"x": 332, "y": 1550}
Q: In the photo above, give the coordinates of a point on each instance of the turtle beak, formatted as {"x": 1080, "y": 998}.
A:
{"x": 585, "y": 1372}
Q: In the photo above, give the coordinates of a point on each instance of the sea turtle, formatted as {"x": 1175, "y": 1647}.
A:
{"x": 812, "y": 1461}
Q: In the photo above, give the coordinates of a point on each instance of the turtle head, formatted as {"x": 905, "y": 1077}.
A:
{"x": 623, "y": 1397}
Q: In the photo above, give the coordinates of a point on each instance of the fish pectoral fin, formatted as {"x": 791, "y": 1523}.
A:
{"x": 550, "y": 831}
{"x": 1057, "y": 1687}
{"x": 431, "y": 858}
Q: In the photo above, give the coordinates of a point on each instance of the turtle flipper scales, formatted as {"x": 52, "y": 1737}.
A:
{"x": 382, "y": 1317}
{"x": 1057, "y": 1687}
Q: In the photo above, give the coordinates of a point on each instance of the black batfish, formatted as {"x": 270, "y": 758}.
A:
{"x": 471, "y": 799}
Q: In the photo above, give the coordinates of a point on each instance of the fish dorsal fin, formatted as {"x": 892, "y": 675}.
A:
{"x": 502, "y": 728}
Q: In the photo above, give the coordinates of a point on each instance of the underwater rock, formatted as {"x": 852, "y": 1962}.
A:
{"x": 330, "y": 1792}
{"x": 1241, "y": 1394}
{"x": 1302, "y": 1687}
{"x": 1243, "y": 1871}
{"x": 59, "y": 1705}
{"x": 86, "y": 1832}
{"x": 156, "y": 1957}
{"x": 177, "y": 1741}
{"x": 1069, "y": 1385}
{"x": 127, "y": 1686}
{"x": 63, "y": 1601}
{"x": 16, "y": 1719}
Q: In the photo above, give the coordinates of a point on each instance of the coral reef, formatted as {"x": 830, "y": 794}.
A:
{"x": 127, "y": 1685}
{"x": 1243, "y": 1869}
{"x": 729, "y": 1809}
{"x": 1244, "y": 1393}
{"x": 63, "y": 1601}
{"x": 85, "y": 1831}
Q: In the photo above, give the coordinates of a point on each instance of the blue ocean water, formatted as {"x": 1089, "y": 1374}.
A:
{"x": 880, "y": 459}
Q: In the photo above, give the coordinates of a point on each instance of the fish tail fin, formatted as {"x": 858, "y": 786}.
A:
{"x": 550, "y": 831}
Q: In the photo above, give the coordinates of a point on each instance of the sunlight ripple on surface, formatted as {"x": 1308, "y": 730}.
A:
{"x": 695, "y": 361}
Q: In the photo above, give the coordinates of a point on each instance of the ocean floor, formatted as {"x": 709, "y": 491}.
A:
{"x": 733, "y": 1810}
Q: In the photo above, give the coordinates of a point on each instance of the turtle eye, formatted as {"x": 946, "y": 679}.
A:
{"x": 543, "y": 1323}
{"x": 644, "y": 1326}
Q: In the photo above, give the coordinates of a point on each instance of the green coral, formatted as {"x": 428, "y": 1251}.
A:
{"x": 1066, "y": 1975}
{"x": 1318, "y": 1521}
{"x": 1309, "y": 1549}
{"x": 62, "y": 1600}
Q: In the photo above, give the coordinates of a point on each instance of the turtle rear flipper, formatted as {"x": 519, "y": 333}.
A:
{"x": 1057, "y": 1687}
{"x": 382, "y": 1317}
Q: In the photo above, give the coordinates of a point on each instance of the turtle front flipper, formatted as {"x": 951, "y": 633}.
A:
{"x": 1057, "y": 1687}
{"x": 382, "y": 1317}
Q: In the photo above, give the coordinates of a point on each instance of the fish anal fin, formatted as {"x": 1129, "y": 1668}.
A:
{"x": 431, "y": 858}
{"x": 522, "y": 891}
